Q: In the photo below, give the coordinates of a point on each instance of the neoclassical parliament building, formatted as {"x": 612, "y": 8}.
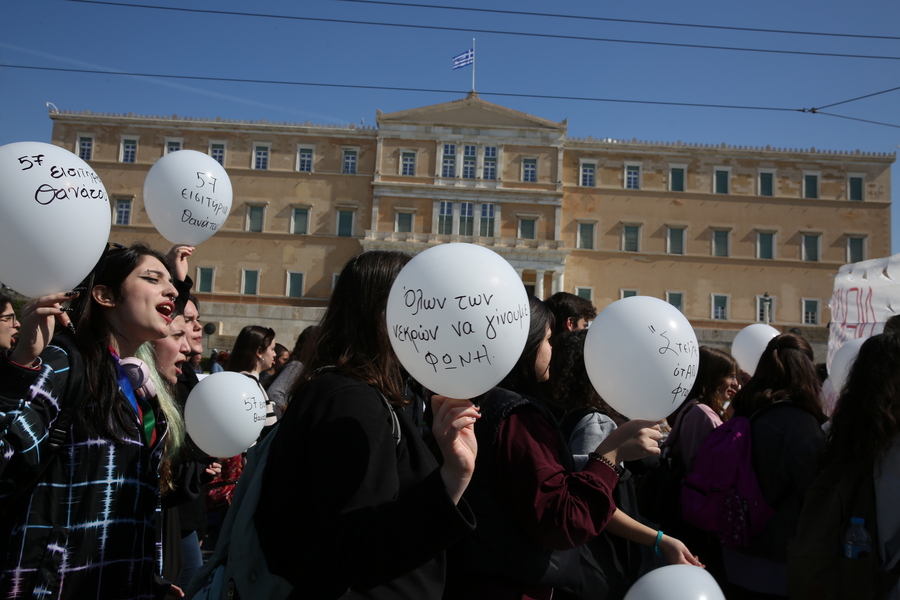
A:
{"x": 730, "y": 235}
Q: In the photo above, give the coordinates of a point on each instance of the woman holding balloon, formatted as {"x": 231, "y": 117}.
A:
{"x": 353, "y": 502}
{"x": 80, "y": 520}
{"x": 534, "y": 509}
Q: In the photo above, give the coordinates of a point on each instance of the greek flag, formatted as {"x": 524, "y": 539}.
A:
{"x": 463, "y": 60}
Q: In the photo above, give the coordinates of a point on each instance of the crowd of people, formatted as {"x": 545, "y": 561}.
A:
{"x": 374, "y": 487}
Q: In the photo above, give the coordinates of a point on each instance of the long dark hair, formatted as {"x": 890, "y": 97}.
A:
{"x": 713, "y": 366}
{"x": 523, "y": 379}
{"x": 353, "y": 336}
{"x": 570, "y": 387}
{"x": 866, "y": 420}
{"x": 250, "y": 340}
{"x": 785, "y": 372}
{"x": 108, "y": 413}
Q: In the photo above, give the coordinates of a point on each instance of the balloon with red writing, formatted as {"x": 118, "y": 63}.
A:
{"x": 55, "y": 218}
{"x": 641, "y": 356}
{"x": 749, "y": 343}
{"x": 843, "y": 361}
{"x": 225, "y": 413}
{"x": 676, "y": 582}
{"x": 458, "y": 317}
{"x": 188, "y": 196}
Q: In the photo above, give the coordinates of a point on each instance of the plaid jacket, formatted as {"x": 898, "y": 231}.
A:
{"x": 88, "y": 529}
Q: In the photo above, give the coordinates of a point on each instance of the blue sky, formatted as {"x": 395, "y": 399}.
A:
{"x": 63, "y": 34}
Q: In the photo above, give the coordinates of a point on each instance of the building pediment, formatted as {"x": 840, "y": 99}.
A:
{"x": 470, "y": 111}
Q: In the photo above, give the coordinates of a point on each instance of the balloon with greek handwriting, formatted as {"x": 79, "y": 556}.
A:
{"x": 749, "y": 343}
{"x": 676, "y": 582}
{"x": 842, "y": 362}
{"x": 641, "y": 355}
{"x": 225, "y": 413}
{"x": 55, "y": 218}
{"x": 187, "y": 195}
{"x": 458, "y": 317}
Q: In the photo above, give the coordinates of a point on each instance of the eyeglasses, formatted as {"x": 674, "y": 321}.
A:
{"x": 9, "y": 318}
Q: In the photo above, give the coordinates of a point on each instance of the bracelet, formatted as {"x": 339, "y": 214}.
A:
{"x": 656, "y": 549}
{"x": 35, "y": 366}
{"x": 604, "y": 460}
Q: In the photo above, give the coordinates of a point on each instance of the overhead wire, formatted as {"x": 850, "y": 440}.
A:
{"x": 615, "y": 20}
{"x": 486, "y": 31}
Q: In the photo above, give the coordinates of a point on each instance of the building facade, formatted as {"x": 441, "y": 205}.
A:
{"x": 730, "y": 235}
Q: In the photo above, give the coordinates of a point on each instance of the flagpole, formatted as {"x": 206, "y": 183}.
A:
{"x": 473, "y": 64}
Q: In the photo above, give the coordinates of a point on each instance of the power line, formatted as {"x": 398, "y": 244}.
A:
{"x": 612, "y": 20}
{"x": 855, "y": 119}
{"x": 858, "y": 98}
{"x": 470, "y": 30}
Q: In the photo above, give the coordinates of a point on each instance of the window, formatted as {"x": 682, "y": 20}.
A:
{"x": 721, "y": 245}
{"x": 250, "y": 282}
{"x": 205, "y": 276}
{"x": 676, "y": 299}
{"x": 300, "y": 221}
{"x": 85, "y": 147}
{"x": 123, "y": 212}
{"x": 255, "y": 217}
{"x": 129, "y": 150}
{"x": 585, "y": 236}
{"x": 676, "y": 179}
{"x": 588, "y": 174}
{"x": 305, "y": 160}
{"x": 675, "y": 241}
{"x": 217, "y": 152}
{"x": 810, "y": 186}
{"x": 469, "y": 162}
{"x": 448, "y": 166}
{"x": 585, "y": 292}
{"x": 721, "y": 182}
{"x": 720, "y": 307}
{"x": 294, "y": 287}
{"x": 761, "y": 302}
{"x": 632, "y": 177}
{"x": 528, "y": 229}
{"x": 810, "y": 311}
{"x": 855, "y": 188}
{"x": 810, "y": 250}
{"x": 173, "y": 146}
{"x": 529, "y": 170}
{"x": 466, "y": 218}
{"x": 766, "y": 183}
{"x": 261, "y": 158}
{"x": 631, "y": 238}
{"x": 487, "y": 220}
{"x": 345, "y": 223}
{"x": 404, "y": 222}
{"x": 627, "y": 293}
{"x": 445, "y": 218}
{"x": 856, "y": 248}
{"x": 349, "y": 164}
{"x": 765, "y": 245}
{"x": 490, "y": 162}
{"x": 408, "y": 164}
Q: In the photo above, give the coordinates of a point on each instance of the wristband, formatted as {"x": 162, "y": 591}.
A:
{"x": 35, "y": 366}
{"x": 656, "y": 549}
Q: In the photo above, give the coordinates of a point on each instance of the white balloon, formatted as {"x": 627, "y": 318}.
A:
{"x": 641, "y": 356}
{"x": 56, "y": 218}
{"x": 842, "y": 362}
{"x": 749, "y": 343}
{"x": 187, "y": 195}
{"x": 458, "y": 319}
{"x": 676, "y": 582}
{"x": 225, "y": 413}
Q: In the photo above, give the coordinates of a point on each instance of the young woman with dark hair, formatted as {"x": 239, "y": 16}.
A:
{"x": 9, "y": 324}
{"x": 280, "y": 386}
{"x": 353, "y": 504}
{"x": 86, "y": 527}
{"x": 534, "y": 510}
{"x": 783, "y": 399}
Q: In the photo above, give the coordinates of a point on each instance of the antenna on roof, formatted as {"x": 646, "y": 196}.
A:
{"x": 52, "y": 107}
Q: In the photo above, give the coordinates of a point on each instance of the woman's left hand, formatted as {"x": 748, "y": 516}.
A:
{"x": 178, "y": 255}
{"x": 677, "y": 553}
{"x": 454, "y": 431}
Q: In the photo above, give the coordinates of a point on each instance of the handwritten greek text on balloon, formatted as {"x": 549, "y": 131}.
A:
{"x": 411, "y": 334}
{"x": 447, "y": 363}
{"x": 505, "y": 318}
{"x": 47, "y": 193}
{"x": 188, "y": 217}
{"x": 207, "y": 201}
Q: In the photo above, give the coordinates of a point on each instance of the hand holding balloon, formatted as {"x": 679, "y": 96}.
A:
{"x": 38, "y": 321}
{"x": 633, "y": 440}
{"x": 454, "y": 432}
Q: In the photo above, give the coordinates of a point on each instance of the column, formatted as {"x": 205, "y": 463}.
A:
{"x": 539, "y": 284}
